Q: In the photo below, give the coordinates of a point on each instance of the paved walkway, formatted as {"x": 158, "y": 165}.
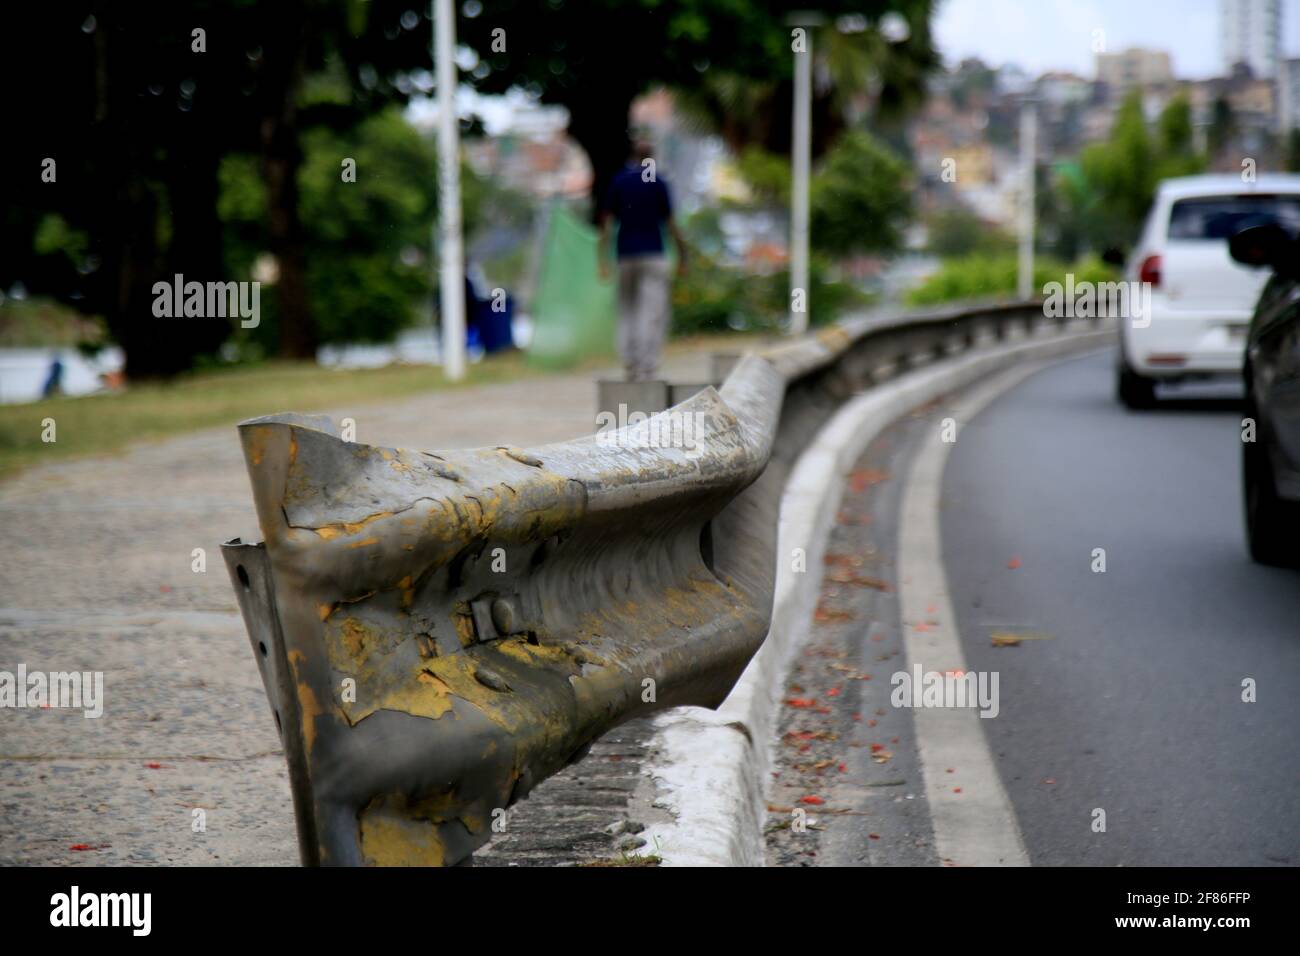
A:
{"x": 97, "y": 577}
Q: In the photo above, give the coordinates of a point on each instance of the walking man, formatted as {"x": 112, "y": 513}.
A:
{"x": 639, "y": 199}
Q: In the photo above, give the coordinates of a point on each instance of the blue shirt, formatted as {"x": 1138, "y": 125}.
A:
{"x": 641, "y": 208}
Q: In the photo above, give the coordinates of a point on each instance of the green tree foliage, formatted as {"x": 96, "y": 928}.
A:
{"x": 859, "y": 198}
{"x": 957, "y": 231}
{"x": 860, "y": 201}
{"x": 366, "y": 242}
{"x": 141, "y": 115}
{"x": 731, "y": 60}
{"x": 1118, "y": 177}
{"x": 139, "y": 111}
{"x": 767, "y": 175}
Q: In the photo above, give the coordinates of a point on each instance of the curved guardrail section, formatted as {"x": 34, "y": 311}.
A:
{"x": 437, "y": 633}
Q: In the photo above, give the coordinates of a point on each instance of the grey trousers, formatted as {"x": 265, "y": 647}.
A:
{"x": 644, "y": 286}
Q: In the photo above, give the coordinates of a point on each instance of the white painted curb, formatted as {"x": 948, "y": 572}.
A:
{"x": 711, "y": 768}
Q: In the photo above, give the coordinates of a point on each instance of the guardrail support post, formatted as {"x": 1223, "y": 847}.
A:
{"x": 621, "y": 399}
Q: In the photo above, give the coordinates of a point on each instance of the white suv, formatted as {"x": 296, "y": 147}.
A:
{"x": 1200, "y": 299}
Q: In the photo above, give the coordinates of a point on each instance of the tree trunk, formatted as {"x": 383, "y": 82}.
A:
{"x": 154, "y": 347}
{"x": 599, "y": 124}
{"x": 195, "y": 248}
{"x": 281, "y": 160}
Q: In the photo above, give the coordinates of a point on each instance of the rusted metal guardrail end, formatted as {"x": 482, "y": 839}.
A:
{"x": 439, "y": 632}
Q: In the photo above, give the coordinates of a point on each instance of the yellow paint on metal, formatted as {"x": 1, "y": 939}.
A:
{"x": 397, "y": 833}
{"x": 308, "y": 705}
{"x": 331, "y": 531}
{"x": 534, "y": 653}
{"x": 463, "y": 621}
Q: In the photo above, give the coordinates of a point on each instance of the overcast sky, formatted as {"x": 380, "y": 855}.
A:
{"x": 1045, "y": 35}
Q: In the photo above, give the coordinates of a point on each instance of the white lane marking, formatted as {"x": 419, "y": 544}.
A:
{"x": 976, "y": 824}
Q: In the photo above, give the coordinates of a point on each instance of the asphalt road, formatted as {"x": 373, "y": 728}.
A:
{"x": 1129, "y": 696}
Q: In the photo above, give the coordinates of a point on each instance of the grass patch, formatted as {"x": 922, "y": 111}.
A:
{"x": 104, "y": 423}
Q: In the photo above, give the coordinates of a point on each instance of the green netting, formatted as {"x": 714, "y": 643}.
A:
{"x": 573, "y": 310}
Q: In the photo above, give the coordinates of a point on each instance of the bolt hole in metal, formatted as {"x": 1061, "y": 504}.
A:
{"x": 243, "y": 577}
{"x": 261, "y": 646}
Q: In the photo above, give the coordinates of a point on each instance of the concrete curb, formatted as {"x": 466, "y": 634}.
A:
{"x": 711, "y": 768}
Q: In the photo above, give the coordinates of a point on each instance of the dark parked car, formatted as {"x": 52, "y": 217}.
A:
{"x": 1271, "y": 463}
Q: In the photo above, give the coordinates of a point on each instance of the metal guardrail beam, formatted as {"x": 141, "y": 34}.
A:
{"x": 437, "y": 633}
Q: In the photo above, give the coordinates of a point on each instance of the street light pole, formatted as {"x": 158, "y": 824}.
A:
{"x": 1028, "y": 148}
{"x": 450, "y": 250}
{"x": 801, "y": 160}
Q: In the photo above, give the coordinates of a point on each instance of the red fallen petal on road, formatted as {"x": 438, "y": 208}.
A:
{"x": 950, "y": 770}
{"x": 871, "y": 722}
{"x": 875, "y": 748}
{"x": 826, "y": 615}
{"x": 1013, "y": 563}
{"x": 82, "y": 847}
{"x": 859, "y": 717}
{"x": 821, "y": 710}
{"x": 956, "y": 789}
{"x": 893, "y": 740}
{"x": 922, "y": 627}
{"x": 862, "y": 478}
{"x": 801, "y": 701}
{"x": 165, "y": 588}
{"x": 833, "y": 692}
{"x": 154, "y": 766}
{"x": 844, "y": 768}
{"x": 810, "y": 799}
{"x": 873, "y": 836}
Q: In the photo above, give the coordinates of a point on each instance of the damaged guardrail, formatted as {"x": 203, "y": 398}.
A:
{"x": 437, "y": 633}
